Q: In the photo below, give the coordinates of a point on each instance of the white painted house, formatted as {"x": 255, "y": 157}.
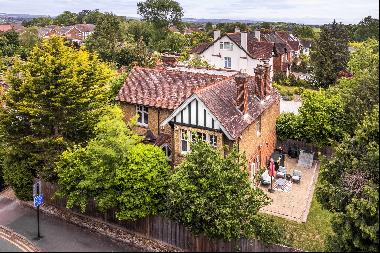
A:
{"x": 240, "y": 51}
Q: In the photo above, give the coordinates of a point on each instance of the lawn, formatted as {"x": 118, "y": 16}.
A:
{"x": 309, "y": 236}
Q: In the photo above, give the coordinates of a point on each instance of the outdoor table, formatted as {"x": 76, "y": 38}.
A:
{"x": 281, "y": 182}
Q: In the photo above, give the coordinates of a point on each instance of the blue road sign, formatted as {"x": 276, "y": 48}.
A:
{"x": 38, "y": 200}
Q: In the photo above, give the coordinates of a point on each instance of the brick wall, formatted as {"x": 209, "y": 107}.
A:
{"x": 277, "y": 64}
{"x": 265, "y": 143}
{"x": 74, "y": 33}
{"x": 156, "y": 116}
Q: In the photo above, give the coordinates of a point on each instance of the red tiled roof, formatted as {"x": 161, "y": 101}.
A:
{"x": 85, "y": 27}
{"x": 223, "y": 95}
{"x": 162, "y": 87}
{"x": 200, "y": 48}
{"x": 5, "y": 27}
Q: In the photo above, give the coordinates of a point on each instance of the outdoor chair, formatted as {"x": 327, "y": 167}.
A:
{"x": 265, "y": 178}
{"x": 281, "y": 172}
{"x": 296, "y": 177}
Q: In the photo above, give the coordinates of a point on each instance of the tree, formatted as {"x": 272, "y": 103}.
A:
{"x": 330, "y": 54}
{"x": 108, "y": 37}
{"x": 89, "y": 16}
{"x": 161, "y": 13}
{"x": 29, "y": 38}
{"x": 115, "y": 170}
{"x": 140, "y": 30}
{"x": 53, "y": 102}
{"x": 349, "y": 187}
{"x": 9, "y": 43}
{"x": 367, "y": 28}
{"x": 40, "y": 21}
{"x": 213, "y": 195}
{"x": 66, "y": 18}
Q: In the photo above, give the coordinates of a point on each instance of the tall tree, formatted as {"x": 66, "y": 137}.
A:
{"x": 367, "y": 28}
{"x": 330, "y": 54}
{"x": 54, "y": 101}
{"x": 161, "y": 13}
{"x": 212, "y": 194}
{"x": 89, "y": 16}
{"x": 349, "y": 186}
{"x": 116, "y": 170}
{"x": 66, "y": 18}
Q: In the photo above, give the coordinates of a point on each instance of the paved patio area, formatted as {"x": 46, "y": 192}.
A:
{"x": 295, "y": 204}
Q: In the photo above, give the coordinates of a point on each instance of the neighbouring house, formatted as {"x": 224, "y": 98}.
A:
{"x": 305, "y": 46}
{"x": 176, "y": 103}
{"x": 286, "y": 48}
{"x": 14, "y": 26}
{"x": 77, "y": 33}
{"x": 239, "y": 51}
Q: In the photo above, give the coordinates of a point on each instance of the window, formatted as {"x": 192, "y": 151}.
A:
{"x": 142, "y": 111}
{"x": 253, "y": 170}
{"x": 202, "y": 136}
{"x": 227, "y": 62}
{"x": 213, "y": 140}
{"x": 168, "y": 151}
{"x": 226, "y": 45}
{"x": 258, "y": 126}
{"x": 185, "y": 141}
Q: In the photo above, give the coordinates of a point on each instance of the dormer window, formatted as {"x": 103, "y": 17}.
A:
{"x": 142, "y": 111}
{"x": 226, "y": 45}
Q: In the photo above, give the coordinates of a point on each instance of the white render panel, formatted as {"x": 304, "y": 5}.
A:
{"x": 185, "y": 113}
{"x": 193, "y": 112}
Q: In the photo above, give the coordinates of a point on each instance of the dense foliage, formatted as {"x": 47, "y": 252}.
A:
{"x": 213, "y": 195}
{"x": 330, "y": 54}
{"x": 350, "y": 187}
{"x": 115, "y": 170}
{"x": 54, "y": 101}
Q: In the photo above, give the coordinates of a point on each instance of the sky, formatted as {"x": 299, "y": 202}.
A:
{"x": 299, "y": 11}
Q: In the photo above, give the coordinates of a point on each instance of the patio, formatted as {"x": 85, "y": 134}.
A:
{"x": 294, "y": 204}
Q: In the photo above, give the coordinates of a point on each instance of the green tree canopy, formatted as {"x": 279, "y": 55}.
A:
{"x": 115, "y": 170}
{"x": 54, "y": 101}
{"x": 349, "y": 185}
{"x": 66, "y": 18}
{"x": 213, "y": 195}
{"x": 161, "y": 13}
{"x": 330, "y": 54}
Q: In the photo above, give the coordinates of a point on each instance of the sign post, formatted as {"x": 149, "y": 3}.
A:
{"x": 38, "y": 199}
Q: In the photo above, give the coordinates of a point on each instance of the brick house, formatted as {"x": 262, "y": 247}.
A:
{"x": 223, "y": 107}
{"x": 76, "y": 33}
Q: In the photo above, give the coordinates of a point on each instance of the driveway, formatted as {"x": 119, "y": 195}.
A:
{"x": 57, "y": 235}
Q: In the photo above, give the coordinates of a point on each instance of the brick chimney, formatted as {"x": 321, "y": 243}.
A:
{"x": 169, "y": 60}
{"x": 242, "y": 92}
{"x": 259, "y": 79}
{"x": 216, "y": 34}
{"x": 267, "y": 79}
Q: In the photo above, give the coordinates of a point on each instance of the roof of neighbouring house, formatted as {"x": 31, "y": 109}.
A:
{"x": 167, "y": 87}
{"x": 305, "y": 43}
{"x": 5, "y": 27}
{"x": 85, "y": 27}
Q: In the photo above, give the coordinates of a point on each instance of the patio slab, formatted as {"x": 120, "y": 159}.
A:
{"x": 295, "y": 204}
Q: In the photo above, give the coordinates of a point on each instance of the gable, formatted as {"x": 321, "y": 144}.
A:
{"x": 193, "y": 112}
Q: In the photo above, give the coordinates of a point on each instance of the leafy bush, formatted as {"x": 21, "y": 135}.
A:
{"x": 288, "y": 126}
{"x": 211, "y": 194}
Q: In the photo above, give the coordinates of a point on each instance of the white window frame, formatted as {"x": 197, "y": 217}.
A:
{"x": 185, "y": 137}
{"x": 253, "y": 170}
{"x": 213, "y": 140}
{"x": 143, "y": 110}
{"x": 226, "y": 45}
{"x": 227, "y": 61}
{"x": 258, "y": 127}
{"x": 167, "y": 147}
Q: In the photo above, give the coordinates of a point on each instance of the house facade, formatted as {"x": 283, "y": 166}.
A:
{"x": 176, "y": 104}
{"x": 77, "y": 33}
{"x": 238, "y": 51}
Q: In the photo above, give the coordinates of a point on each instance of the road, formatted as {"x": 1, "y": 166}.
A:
{"x": 57, "y": 235}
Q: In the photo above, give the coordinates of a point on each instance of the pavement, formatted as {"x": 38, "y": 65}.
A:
{"x": 6, "y": 246}
{"x": 57, "y": 235}
{"x": 290, "y": 106}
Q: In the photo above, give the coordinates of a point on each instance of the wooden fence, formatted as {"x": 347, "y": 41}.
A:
{"x": 289, "y": 143}
{"x": 168, "y": 231}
